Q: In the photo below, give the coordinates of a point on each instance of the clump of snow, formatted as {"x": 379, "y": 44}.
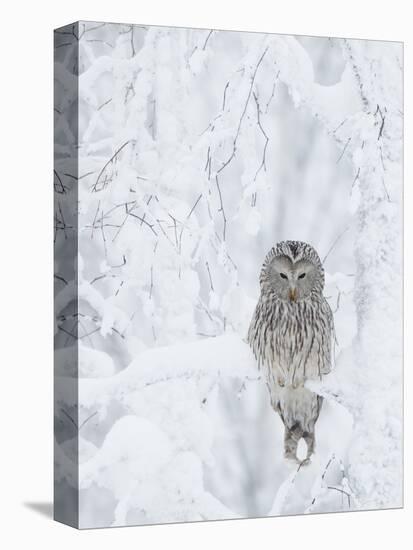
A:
{"x": 84, "y": 362}
{"x": 156, "y": 451}
{"x": 94, "y": 363}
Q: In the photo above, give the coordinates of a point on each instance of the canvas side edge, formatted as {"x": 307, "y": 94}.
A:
{"x": 66, "y": 443}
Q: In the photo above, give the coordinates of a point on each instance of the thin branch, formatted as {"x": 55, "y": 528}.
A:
{"x": 120, "y": 286}
{"x": 103, "y": 104}
{"x": 208, "y": 162}
{"x": 87, "y": 420}
{"x": 272, "y": 93}
{"x": 120, "y": 265}
{"x": 342, "y": 492}
{"x": 383, "y": 118}
{"x": 357, "y": 176}
{"x": 340, "y": 125}
{"x": 225, "y": 95}
{"x": 385, "y": 189}
{"x": 94, "y": 219}
{"x": 67, "y": 415}
{"x": 344, "y": 150}
{"x": 187, "y": 218}
{"x": 207, "y": 38}
{"x": 175, "y": 228}
{"x": 267, "y": 139}
{"x": 142, "y": 220}
{"x": 234, "y": 145}
{"x": 131, "y": 41}
{"x": 59, "y": 278}
{"x": 381, "y": 128}
{"x": 113, "y": 157}
{"x": 78, "y": 178}
{"x": 62, "y": 187}
{"x": 210, "y": 278}
{"x": 338, "y": 301}
{"x": 334, "y": 244}
{"x": 221, "y": 209}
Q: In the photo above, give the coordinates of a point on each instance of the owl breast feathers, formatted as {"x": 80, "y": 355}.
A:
{"x": 291, "y": 332}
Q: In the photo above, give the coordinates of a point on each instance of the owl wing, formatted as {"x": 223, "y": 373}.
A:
{"x": 315, "y": 358}
{"x": 318, "y": 352}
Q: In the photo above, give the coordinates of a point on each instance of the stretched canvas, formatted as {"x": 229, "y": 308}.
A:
{"x": 228, "y": 271}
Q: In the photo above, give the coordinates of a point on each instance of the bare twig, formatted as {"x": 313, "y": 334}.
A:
{"x": 187, "y": 218}
{"x": 225, "y": 95}
{"x": 383, "y": 118}
{"x": 209, "y": 274}
{"x": 338, "y": 301}
{"x": 67, "y": 415}
{"x": 381, "y": 128}
{"x": 142, "y": 220}
{"x": 344, "y": 150}
{"x": 78, "y": 178}
{"x": 104, "y": 103}
{"x": 272, "y": 93}
{"x": 131, "y": 41}
{"x": 340, "y": 125}
{"x": 341, "y": 491}
{"x": 59, "y": 278}
{"x": 111, "y": 160}
{"x": 357, "y": 176}
{"x": 207, "y": 38}
{"x": 385, "y": 189}
{"x": 234, "y": 145}
{"x": 62, "y": 189}
{"x": 87, "y": 420}
{"x": 208, "y": 162}
{"x": 221, "y": 209}
{"x": 334, "y": 244}
{"x": 267, "y": 139}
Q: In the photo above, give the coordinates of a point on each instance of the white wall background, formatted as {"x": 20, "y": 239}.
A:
{"x": 26, "y": 280}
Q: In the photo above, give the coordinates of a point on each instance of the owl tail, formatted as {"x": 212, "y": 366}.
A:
{"x": 296, "y": 431}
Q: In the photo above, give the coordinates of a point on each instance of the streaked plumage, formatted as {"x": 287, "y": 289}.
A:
{"x": 291, "y": 337}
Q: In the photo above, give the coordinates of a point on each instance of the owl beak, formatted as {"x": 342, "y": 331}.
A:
{"x": 293, "y": 294}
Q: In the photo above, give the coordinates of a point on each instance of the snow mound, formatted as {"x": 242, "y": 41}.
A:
{"x": 151, "y": 459}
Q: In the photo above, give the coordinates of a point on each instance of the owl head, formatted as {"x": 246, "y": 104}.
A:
{"x": 292, "y": 271}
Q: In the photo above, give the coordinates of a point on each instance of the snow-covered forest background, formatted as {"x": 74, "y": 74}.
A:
{"x": 188, "y": 154}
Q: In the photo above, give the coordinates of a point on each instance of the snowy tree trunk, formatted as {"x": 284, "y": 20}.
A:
{"x": 376, "y": 453}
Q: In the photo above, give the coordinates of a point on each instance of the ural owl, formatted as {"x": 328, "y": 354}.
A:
{"x": 291, "y": 336}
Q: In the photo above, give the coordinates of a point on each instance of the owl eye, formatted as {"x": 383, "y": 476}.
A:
{"x": 301, "y": 276}
{"x": 283, "y": 276}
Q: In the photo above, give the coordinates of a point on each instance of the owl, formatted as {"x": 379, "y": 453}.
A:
{"x": 291, "y": 336}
